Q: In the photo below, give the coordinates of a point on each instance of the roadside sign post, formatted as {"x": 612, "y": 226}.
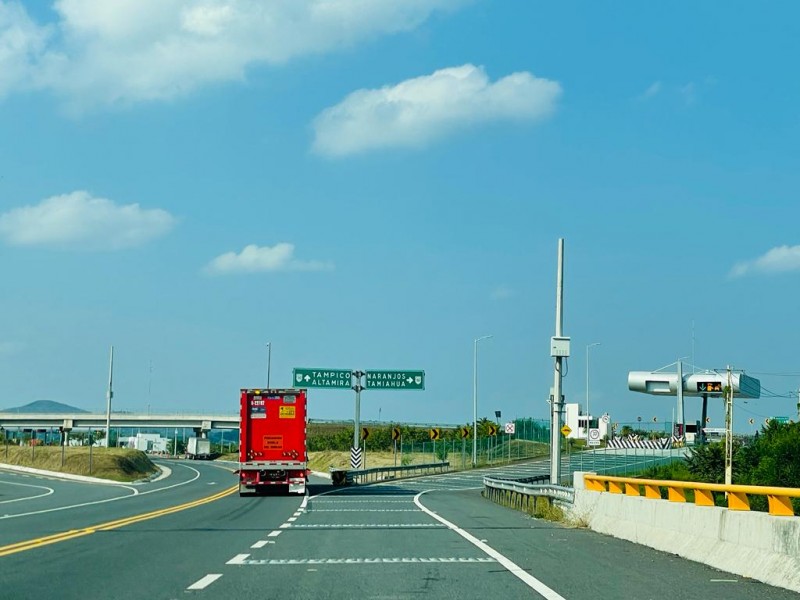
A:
{"x": 464, "y": 435}
{"x": 396, "y": 435}
{"x": 510, "y": 430}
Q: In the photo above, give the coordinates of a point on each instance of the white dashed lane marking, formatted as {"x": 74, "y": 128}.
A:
{"x": 205, "y": 581}
{"x": 243, "y": 560}
{"x": 364, "y": 510}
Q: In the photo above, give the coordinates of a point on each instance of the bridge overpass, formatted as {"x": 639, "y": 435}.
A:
{"x": 128, "y": 420}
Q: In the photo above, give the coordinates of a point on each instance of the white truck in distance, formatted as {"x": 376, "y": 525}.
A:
{"x": 198, "y": 448}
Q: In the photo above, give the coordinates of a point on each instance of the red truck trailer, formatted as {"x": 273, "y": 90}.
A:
{"x": 272, "y": 440}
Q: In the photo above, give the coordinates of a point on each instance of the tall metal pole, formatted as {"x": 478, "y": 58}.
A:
{"x": 729, "y": 431}
{"x": 109, "y": 395}
{"x": 588, "y": 412}
{"x": 555, "y": 404}
{"x": 681, "y": 425}
{"x": 269, "y": 361}
{"x": 475, "y": 399}
{"x": 475, "y": 405}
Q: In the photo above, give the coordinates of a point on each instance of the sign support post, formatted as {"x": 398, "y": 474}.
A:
{"x": 357, "y": 418}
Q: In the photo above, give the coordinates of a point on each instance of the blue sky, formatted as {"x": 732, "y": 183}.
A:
{"x": 374, "y": 185}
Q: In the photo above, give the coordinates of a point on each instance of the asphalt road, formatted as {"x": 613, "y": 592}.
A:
{"x": 431, "y": 537}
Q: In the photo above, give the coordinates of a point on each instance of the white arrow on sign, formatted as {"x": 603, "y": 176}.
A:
{"x": 308, "y": 378}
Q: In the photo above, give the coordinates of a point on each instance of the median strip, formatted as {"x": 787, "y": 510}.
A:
{"x": 76, "y": 533}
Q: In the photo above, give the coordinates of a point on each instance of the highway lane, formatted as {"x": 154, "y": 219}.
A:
{"x": 431, "y": 536}
{"x": 435, "y": 537}
{"x": 71, "y": 505}
{"x": 154, "y": 558}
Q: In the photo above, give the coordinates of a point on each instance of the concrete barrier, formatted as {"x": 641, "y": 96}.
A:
{"x": 751, "y": 544}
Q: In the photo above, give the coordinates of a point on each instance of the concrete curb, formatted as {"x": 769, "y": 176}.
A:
{"x": 64, "y": 476}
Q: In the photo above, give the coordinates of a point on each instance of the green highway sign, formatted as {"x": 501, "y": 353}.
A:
{"x": 322, "y": 378}
{"x": 395, "y": 380}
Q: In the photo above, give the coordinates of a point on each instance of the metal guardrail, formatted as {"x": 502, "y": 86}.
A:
{"x": 778, "y": 498}
{"x": 525, "y": 488}
{"x": 373, "y": 474}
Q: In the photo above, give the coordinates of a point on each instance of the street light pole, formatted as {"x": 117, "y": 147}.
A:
{"x": 475, "y": 400}
{"x": 588, "y": 413}
{"x": 269, "y": 361}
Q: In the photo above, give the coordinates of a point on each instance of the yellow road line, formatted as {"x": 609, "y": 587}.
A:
{"x": 76, "y": 533}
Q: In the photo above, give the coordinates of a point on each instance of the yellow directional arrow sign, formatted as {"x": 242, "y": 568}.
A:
{"x": 435, "y": 433}
{"x": 364, "y": 433}
{"x": 492, "y": 429}
{"x": 566, "y": 430}
{"x": 465, "y": 432}
{"x": 395, "y": 434}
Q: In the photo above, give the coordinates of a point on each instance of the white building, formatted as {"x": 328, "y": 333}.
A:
{"x": 577, "y": 422}
{"x": 146, "y": 442}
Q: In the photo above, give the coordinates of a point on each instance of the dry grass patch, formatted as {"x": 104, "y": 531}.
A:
{"x": 116, "y": 464}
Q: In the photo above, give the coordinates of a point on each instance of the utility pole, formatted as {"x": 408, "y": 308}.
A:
{"x": 678, "y": 431}
{"x": 728, "y": 431}
{"x": 109, "y": 395}
{"x": 559, "y": 350}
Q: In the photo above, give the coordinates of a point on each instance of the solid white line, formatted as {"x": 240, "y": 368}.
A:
{"x": 305, "y": 501}
{"x": 134, "y": 492}
{"x": 512, "y": 567}
{"x": 40, "y": 487}
{"x": 205, "y": 581}
{"x": 261, "y": 543}
{"x": 274, "y": 533}
{"x": 238, "y": 559}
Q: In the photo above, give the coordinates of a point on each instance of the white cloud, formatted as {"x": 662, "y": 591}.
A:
{"x": 780, "y": 259}
{"x": 502, "y": 292}
{"x": 79, "y": 220}
{"x": 125, "y": 51}
{"x": 651, "y": 91}
{"x": 689, "y": 93}
{"x": 21, "y": 42}
{"x": 255, "y": 259}
{"x": 417, "y": 111}
{"x": 9, "y": 348}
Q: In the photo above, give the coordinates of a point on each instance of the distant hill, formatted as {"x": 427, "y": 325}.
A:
{"x": 45, "y": 406}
